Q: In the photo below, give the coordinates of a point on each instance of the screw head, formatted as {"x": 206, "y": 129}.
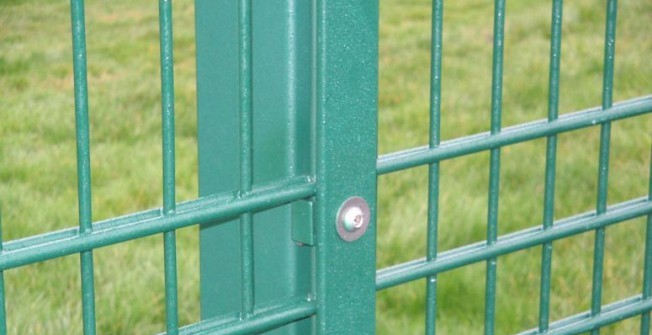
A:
{"x": 353, "y": 219}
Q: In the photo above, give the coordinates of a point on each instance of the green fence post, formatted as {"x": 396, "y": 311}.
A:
{"x": 279, "y": 71}
{"x": 310, "y": 89}
{"x": 82, "y": 136}
{"x": 346, "y": 54}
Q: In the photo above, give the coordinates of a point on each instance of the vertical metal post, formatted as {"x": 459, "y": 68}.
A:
{"x": 603, "y": 168}
{"x": 494, "y": 168}
{"x": 83, "y": 160}
{"x": 551, "y": 164}
{"x": 246, "y": 154}
{"x": 169, "y": 198}
{"x": 3, "y": 310}
{"x": 254, "y": 115}
{"x": 346, "y": 61}
{"x": 433, "y": 173}
{"x": 647, "y": 265}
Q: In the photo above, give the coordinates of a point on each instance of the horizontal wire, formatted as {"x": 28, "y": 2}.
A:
{"x": 462, "y": 146}
{"x": 264, "y": 320}
{"x": 213, "y": 209}
{"x": 473, "y": 253}
{"x": 583, "y": 322}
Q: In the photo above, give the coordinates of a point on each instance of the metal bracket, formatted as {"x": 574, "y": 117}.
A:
{"x": 302, "y": 222}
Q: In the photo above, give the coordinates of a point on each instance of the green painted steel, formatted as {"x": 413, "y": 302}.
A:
{"x": 248, "y": 137}
{"x": 551, "y": 164}
{"x": 3, "y": 311}
{"x": 285, "y": 145}
{"x": 246, "y": 154}
{"x": 433, "y": 171}
{"x": 473, "y": 253}
{"x": 217, "y": 208}
{"x": 287, "y": 110}
{"x": 346, "y": 61}
{"x": 83, "y": 160}
{"x": 603, "y": 166}
{"x": 169, "y": 197}
{"x": 270, "y": 318}
{"x": 302, "y": 212}
{"x": 647, "y": 265}
{"x": 494, "y": 164}
{"x": 467, "y": 145}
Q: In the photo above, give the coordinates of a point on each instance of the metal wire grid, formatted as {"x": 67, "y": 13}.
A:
{"x": 172, "y": 216}
{"x": 252, "y": 198}
{"x": 435, "y": 263}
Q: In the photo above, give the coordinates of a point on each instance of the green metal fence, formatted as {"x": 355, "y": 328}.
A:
{"x": 287, "y": 135}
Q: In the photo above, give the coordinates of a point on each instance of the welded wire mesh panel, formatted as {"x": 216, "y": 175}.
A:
{"x": 327, "y": 139}
{"x": 550, "y": 230}
{"x": 214, "y": 209}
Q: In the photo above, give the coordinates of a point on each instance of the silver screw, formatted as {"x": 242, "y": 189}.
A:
{"x": 353, "y": 219}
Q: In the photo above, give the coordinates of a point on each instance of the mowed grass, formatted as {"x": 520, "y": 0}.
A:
{"x": 38, "y": 173}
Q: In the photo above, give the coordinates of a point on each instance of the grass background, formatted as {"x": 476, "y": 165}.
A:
{"x": 38, "y": 173}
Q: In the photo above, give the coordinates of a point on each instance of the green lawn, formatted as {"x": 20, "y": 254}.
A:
{"x": 38, "y": 172}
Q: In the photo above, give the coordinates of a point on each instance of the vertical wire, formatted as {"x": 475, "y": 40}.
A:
{"x": 603, "y": 169}
{"x": 3, "y": 310}
{"x": 246, "y": 153}
{"x": 435, "y": 137}
{"x": 169, "y": 198}
{"x": 83, "y": 160}
{"x": 551, "y": 158}
{"x": 494, "y": 169}
{"x": 647, "y": 267}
